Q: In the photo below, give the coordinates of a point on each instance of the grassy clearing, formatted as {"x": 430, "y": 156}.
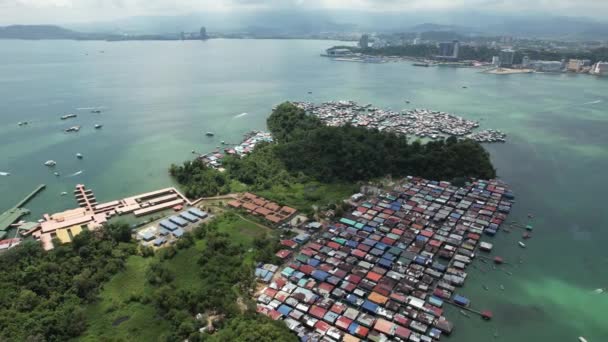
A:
{"x": 143, "y": 324}
{"x": 303, "y": 195}
{"x": 114, "y": 304}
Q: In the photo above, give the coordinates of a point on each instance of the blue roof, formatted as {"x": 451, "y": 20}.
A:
{"x": 389, "y": 256}
{"x": 188, "y": 216}
{"x": 369, "y": 242}
{"x": 369, "y": 306}
{"x": 178, "y": 232}
{"x": 284, "y": 309}
{"x": 268, "y": 277}
{"x": 147, "y": 236}
{"x": 381, "y": 246}
{"x": 460, "y": 300}
{"x": 352, "y": 328}
{"x": 198, "y": 213}
{"x": 385, "y": 263}
{"x": 162, "y": 231}
{"x": 351, "y": 298}
{"x": 168, "y": 224}
{"x": 320, "y": 275}
{"x": 314, "y": 262}
{"x": 351, "y": 243}
{"x": 376, "y": 252}
{"x": 178, "y": 221}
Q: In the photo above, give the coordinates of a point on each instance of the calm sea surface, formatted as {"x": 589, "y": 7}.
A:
{"x": 159, "y": 98}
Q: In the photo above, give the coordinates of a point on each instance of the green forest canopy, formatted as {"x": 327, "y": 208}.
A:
{"x": 305, "y": 149}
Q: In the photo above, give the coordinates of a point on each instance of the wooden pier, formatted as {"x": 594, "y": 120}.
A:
{"x": 487, "y": 315}
{"x": 12, "y": 215}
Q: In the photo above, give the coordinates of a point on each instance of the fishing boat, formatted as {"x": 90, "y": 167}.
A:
{"x": 22, "y": 123}
{"x": 56, "y": 174}
{"x": 98, "y": 126}
{"x": 50, "y": 163}
{"x": 96, "y": 111}
{"x": 582, "y": 339}
{"x": 521, "y": 244}
{"x": 209, "y": 134}
{"x": 68, "y": 116}
{"x": 79, "y": 155}
{"x": 64, "y": 193}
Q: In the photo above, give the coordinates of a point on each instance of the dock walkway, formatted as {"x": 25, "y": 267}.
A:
{"x": 12, "y": 215}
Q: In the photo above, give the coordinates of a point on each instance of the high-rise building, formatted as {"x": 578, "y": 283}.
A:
{"x": 600, "y": 68}
{"x": 364, "y": 41}
{"x": 449, "y": 49}
{"x": 495, "y": 60}
{"x": 506, "y": 57}
{"x": 203, "y": 33}
{"x": 525, "y": 62}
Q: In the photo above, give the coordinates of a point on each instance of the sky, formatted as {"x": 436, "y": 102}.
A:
{"x": 72, "y": 11}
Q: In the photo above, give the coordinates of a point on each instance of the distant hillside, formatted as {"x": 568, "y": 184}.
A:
{"x": 37, "y": 32}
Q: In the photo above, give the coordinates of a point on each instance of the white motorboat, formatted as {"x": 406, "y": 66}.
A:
{"x": 50, "y": 163}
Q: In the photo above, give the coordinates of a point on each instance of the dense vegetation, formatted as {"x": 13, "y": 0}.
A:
{"x": 252, "y": 327}
{"x": 42, "y": 293}
{"x": 306, "y": 151}
{"x": 355, "y": 153}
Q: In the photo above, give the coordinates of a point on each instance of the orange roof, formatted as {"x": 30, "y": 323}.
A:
{"x": 260, "y": 202}
{"x": 377, "y": 298}
{"x": 249, "y": 197}
{"x": 250, "y": 206}
{"x": 287, "y": 210}
{"x": 235, "y": 204}
{"x": 272, "y": 206}
{"x": 263, "y": 211}
{"x": 273, "y": 218}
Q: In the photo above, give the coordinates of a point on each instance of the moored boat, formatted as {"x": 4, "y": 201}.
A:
{"x": 209, "y": 134}
{"x": 521, "y": 244}
{"x": 50, "y": 163}
{"x": 68, "y": 116}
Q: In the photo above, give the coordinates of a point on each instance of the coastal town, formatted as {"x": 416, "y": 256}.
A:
{"x": 422, "y": 123}
{"x": 387, "y": 270}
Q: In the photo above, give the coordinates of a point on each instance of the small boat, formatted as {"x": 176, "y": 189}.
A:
{"x": 598, "y": 291}
{"x": 310, "y": 92}
{"x": 582, "y": 339}
{"x": 64, "y": 193}
{"x": 4, "y": 174}
{"x": 72, "y": 129}
{"x": 464, "y": 87}
{"x": 223, "y": 142}
{"x": 407, "y": 101}
{"x": 209, "y": 134}
{"x": 193, "y": 152}
{"x": 96, "y": 111}
{"x": 502, "y": 287}
{"x": 22, "y": 123}
{"x": 98, "y": 126}
{"x": 486, "y": 288}
{"x": 50, "y": 163}
{"x": 526, "y": 235}
{"x": 464, "y": 313}
{"x": 56, "y": 174}
{"x": 68, "y": 116}
{"x": 79, "y": 155}
{"x": 521, "y": 244}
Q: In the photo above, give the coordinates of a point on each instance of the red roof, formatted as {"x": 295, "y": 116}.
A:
{"x": 358, "y": 253}
{"x": 427, "y": 233}
{"x": 343, "y": 322}
{"x": 373, "y": 276}
{"x": 435, "y": 243}
{"x": 280, "y": 282}
{"x": 308, "y": 252}
{"x": 307, "y": 269}
{"x": 317, "y": 312}
{"x": 403, "y": 333}
{"x": 361, "y": 209}
{"x": 348, "y": 287}
{"x": 315, "y": 246}
{"x": 270, "y": 292}
{"x": 274, "y": 314}
{"x": 387, "y": 241}
{"x": 338, "y": 308}
{"x": 397, "y": 231}
{"x": 352, "y": 278}
{"x": 289, "y": 243}
{"x": 283, "y": 254}
{"x": 402, "y": 320}
{"x": 322, "y": 327}
{"x": 362, "y": 331}
{"x": 333, "y": 245}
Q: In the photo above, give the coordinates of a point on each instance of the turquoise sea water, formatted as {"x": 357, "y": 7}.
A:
{"x": 159, "y": 98}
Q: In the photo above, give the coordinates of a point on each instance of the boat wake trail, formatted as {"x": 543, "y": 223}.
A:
{"x": 75, "y": 174}
{"x": 90, "y": 108}
{"x": 241, "y": 115}
{"x": 592, "y": 102}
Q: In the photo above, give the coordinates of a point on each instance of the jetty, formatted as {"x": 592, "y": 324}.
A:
{"x": 11, "y": 216}
{"x": 487, "y": 315}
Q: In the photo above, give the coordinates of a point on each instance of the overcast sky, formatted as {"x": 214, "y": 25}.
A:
{"x": 66, "y": 11}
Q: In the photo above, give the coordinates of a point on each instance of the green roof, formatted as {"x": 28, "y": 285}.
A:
{"x": 347, "y": 221}
{"x": 340, "y": 241}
